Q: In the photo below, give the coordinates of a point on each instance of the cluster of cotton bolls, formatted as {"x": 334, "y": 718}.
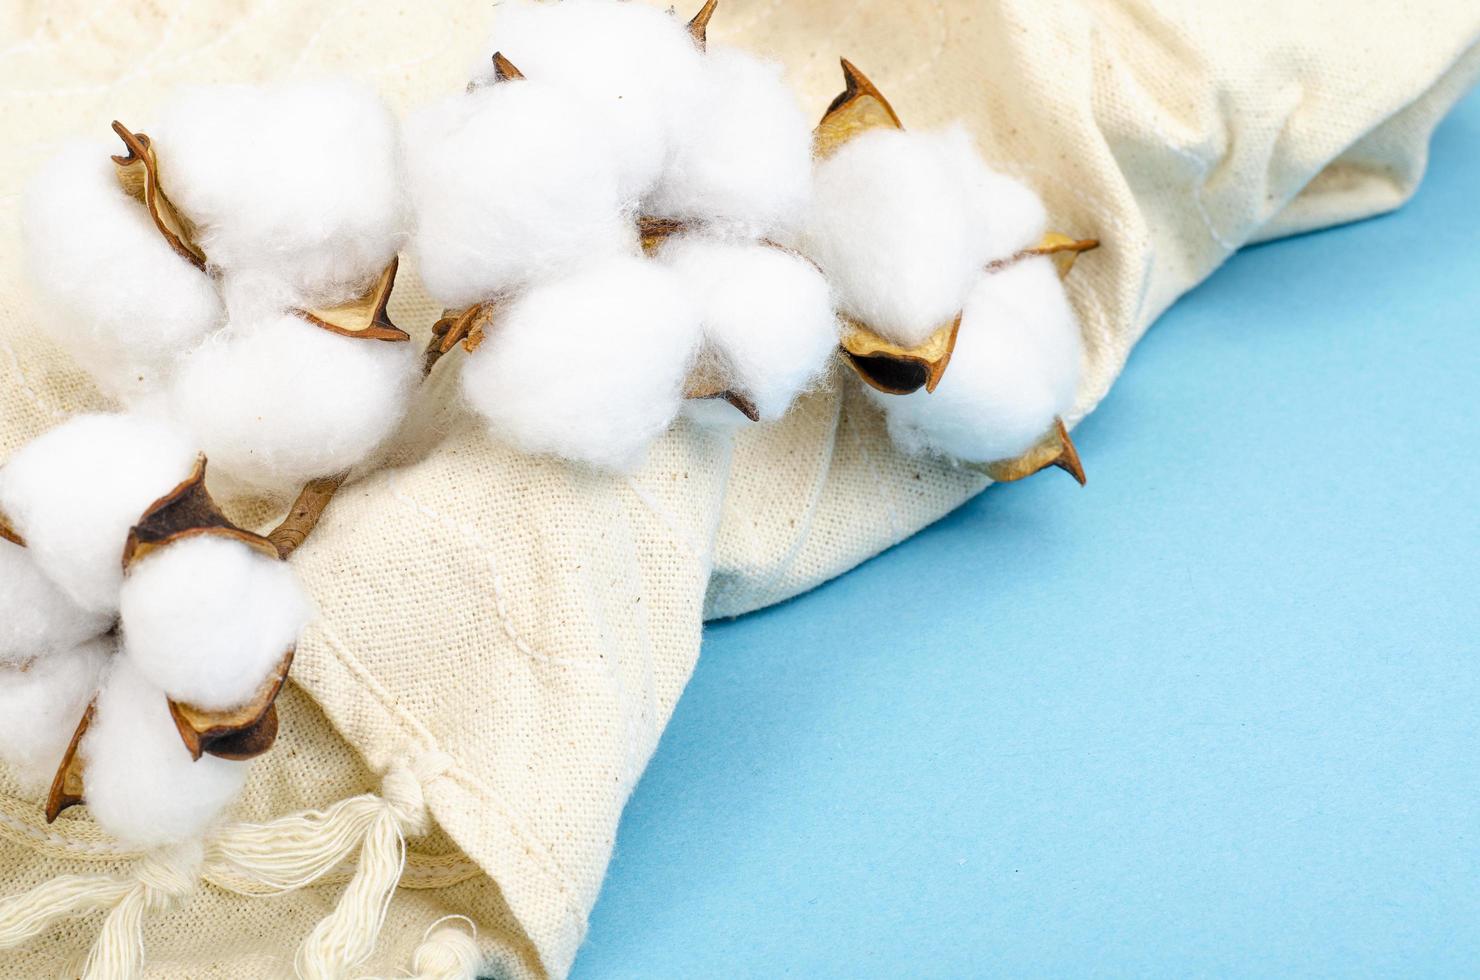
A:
{"x": 285, "y": 204}
{"x": 919, "y": 238}
{"x": 602, "y": 131}
{"x": 201, "y": 619}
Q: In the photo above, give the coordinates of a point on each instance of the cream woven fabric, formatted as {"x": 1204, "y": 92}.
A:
{"x": 536, "y": 623}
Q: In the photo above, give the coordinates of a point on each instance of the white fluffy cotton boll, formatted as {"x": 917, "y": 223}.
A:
{"x": 302, "y": 181}
{"x": 36, "y": 617}
{"x": 510, "y": 183}
{"x": 74, "y": 492}
{"x": 140, "y": 782}
{"x": 120, "y": 300}
{"x": 1016, "y": 366}
{"x": 590, "y": 368}
{"x": 207, "y": 619}
{"x": 744, "y": 158}
{"x": 898, "y": 224}
{"x": 41, "y": 706}
{"x": 281, "y": 401}
{"x": 767, "y": 316}
{"x": 635, "y": 66}
{"x": 1005, "y": 214}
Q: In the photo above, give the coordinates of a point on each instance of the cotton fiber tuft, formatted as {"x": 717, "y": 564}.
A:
{"x": 302, "y": 181}
{"x": 74, "y": 492}
{"x": 119, "y": 299}
{"x": 142, "y": 786}
{"x": 768, "y": 322}
{"x": 590, "y": 368}
{"x": 40, "y": 707}
{"x": 1016, "y": 367}
{"x": 207, "y": 619}
{"x": 903, "y": 223}
{"x": 511, "y": 183}
{"x": 278, "y": 402}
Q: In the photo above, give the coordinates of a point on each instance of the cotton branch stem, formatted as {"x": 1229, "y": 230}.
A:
{"x": 305, "y": 514}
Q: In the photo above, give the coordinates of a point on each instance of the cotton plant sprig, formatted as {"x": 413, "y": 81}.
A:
{"x": 244, "y": 302}
{"x": 147, "y": 635}
{"x": 600, "y": 215}
{"x": 939, "y": 262}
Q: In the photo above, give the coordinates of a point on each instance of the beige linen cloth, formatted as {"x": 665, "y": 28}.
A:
{"x": 516, "y": 630}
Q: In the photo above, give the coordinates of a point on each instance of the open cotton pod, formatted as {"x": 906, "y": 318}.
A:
{"x": 40, "y": 702}
{"x": 1014, "y": 375}
{"x": 591, "y": 367}
{"x": 768, "y": 325}
{"x": 297, "y": 182}
{"x": 73, "y": 493}
{"x": 743, "y": 160}
{"x": 121, "y": 300}
{"x": 211, "y": 615}
{"x": 137, "y": 779}
{"x": 635, "y": 67}
{"x": 903, "y": 223}
{"x": 279, "y": 401}
{"x": 208, "y": 618}
{"x": 511, "y": 183}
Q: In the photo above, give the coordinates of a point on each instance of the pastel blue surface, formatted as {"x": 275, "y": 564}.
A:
{"x": 1217, "y": 714}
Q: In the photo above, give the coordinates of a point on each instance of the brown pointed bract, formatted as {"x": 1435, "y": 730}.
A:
{"x": 304, "y": 515}
{"x": 1060, "y": 247}
{"x": 66, "y": 785}
{"x": 894, "y": 369}
{"x": 860, "y": 108}
{"x": 706, "y": 384}
{"x": 239, "y": 734}
{"x": 363, "y": 318}
{"x": 653, "y": 232}
{"x": 699, "y": 26}
{"x": 138, "y": 172}
{"x": 8, "y": 533}
{"x": 1055, "y": 449}
{"x": 504, "y": 69}
{"x": 185, "y": 512}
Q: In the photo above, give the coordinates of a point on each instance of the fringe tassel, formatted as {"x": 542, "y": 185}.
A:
{"x": 158, "y": 881}
{"x": 346, "y": 937}
{"x": 279, "y": 856}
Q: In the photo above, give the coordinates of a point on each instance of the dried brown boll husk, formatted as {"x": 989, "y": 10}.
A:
{"x": 897, "y": 369}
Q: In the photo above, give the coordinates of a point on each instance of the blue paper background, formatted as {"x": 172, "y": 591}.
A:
{"x": 1219, "y": 713}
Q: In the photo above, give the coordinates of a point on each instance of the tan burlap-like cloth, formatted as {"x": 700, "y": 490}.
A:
{"x": 516, "y": 631}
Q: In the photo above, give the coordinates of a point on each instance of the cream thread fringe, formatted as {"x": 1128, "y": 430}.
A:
{"x": 279, "y": 856}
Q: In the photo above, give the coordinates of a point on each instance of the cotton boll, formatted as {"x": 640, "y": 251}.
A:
{"x": 510, "y": 183}
{"x": 634, "y": 65}
{"x": 897, "y": 224}
{"x": 1016, "y": 367}
{"x": 41, "y": 705}
{"x": 208, "y": 619}
{"x": 74, "y": 493}
{"x": 138, "y": 778}
{"x": 36, "y": 617}
{"x": 122, "y": 302}
{"x": 767, "y": 317}
{"x": 279, "y": 402}
{"x": 744, "y": 158}
{"x": 302, "y": 181}
{"x": 590, "y": 368}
